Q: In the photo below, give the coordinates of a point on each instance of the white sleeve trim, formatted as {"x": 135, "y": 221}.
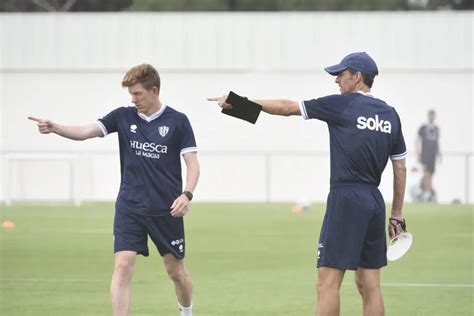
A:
{"x": 304, "y": 114}
{"x": 102, "y": 128}
{"x": 399, "y": 156}
{"x": 188, "y": 150}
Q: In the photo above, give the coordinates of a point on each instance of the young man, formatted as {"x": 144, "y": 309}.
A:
{"x": 427, "y": 150}
{"x": 364, "y": 133}
{"x": 152, "y": 137}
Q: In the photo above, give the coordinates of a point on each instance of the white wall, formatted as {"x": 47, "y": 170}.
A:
{"x": 68, "y": 67}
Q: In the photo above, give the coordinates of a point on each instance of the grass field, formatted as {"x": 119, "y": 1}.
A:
{"x": 245, "y": 259}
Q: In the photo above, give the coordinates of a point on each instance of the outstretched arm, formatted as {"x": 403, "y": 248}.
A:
{"x": 399, "y": 182}
{"x": 271, "y": 106}
{"x": 282, "y": 107}
{"x": 74, "y": 132}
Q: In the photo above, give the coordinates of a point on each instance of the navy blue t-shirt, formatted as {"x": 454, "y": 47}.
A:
{"x": 364, "y": 133}
{"x": 150, "y": 149}
{"x": 429, "y": 134}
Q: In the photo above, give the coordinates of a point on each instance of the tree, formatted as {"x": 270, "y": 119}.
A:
{"x": 232, "y": 5}
{"x": 63, "y": 5}
{"x": 298, "y": 5}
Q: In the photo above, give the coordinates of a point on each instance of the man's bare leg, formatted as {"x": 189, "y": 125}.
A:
{"x": 121, "y": 282}
{"x": 368, "y": 284}
{"x": 182, "y": 280}
{"x": 328, "y": 285}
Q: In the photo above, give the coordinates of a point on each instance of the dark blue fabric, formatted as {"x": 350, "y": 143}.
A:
{"x": 149, "y": 158}
{"x": 131, "y": 233}
{"x": 359, "y": 61}
{"x": 429, "y": 134}
{"x": 353, "y": 231}
{"x": 364, "y": 132}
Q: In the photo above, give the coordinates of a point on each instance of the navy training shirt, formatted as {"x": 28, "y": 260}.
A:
{"x": 429, "y": 134}
{"x": 150, "y": 149}
{"x": 364, "y": 133}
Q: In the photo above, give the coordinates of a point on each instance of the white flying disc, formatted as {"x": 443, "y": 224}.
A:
{"x": 399, "y": 246}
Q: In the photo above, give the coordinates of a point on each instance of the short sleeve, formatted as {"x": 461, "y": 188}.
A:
{"x": 188, "y": 142}
{"x": 328, "y": 109}
{"x": 109, "y": 123}
{"x": 420, "y": 131}
{"x": 399, "y": 149}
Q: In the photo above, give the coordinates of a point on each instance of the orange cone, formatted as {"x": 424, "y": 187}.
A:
{"x": 8, "y": 224}
{"x": 297, "y": 209}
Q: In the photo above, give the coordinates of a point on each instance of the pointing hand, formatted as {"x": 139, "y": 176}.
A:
{"x": 221, "y": 101}
{"x": 44, "y": 126}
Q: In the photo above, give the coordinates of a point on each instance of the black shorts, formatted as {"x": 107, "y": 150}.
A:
{"x": 353, "y": 232}
{"x": 428, "y": 160}
{"x": 131, "y": 231}
{"x": 429, "y": 165}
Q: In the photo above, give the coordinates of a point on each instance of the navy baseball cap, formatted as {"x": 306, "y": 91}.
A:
{"x": 360, "y": 61}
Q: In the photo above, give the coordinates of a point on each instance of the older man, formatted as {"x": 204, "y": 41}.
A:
{"x": 365, "y": 133}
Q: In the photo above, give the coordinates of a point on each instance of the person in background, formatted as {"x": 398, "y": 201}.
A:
{"x": 428, "y": 152}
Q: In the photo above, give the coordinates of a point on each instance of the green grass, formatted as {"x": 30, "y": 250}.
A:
{"x": 245, "y": 259}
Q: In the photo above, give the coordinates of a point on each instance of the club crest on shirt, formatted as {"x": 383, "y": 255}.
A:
{"x": 133, "y": 128}
{"x": 163, "y": 130}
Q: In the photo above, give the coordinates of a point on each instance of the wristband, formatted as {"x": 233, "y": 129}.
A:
{"x": 188, "y": 194}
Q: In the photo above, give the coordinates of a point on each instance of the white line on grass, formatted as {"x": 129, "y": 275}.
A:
{"x": 79, "y": 280}
{"x": 427, "y": 285}
{"x": 435, "y": 285}
{"x": 65, "y": 231}
{"x": 463, "y": 235}
{"x": 53, "y": 280}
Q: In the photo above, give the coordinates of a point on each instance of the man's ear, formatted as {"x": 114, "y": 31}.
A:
{"x": 155, "y": 90}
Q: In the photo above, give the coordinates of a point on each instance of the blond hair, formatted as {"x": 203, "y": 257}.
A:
{"x": 144, "y": 74}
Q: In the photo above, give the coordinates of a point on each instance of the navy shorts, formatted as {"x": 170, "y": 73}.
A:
{"x": 428, "y": 159}
{"x": 429, "y": 165}
{"x": 131, "y": 231}
{"x": 353, "y": 231}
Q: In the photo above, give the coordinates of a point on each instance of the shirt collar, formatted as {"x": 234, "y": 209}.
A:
{"x": 365, "y": 93}
{"x": 154, "y": 115}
